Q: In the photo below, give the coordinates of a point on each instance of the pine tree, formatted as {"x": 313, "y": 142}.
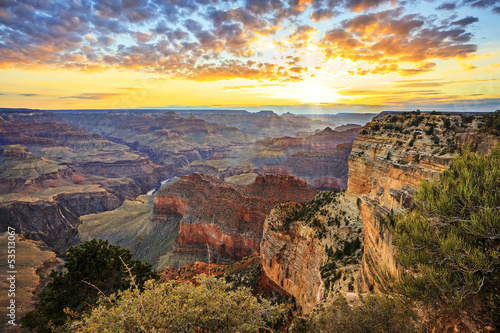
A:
{"x": 449, "y": 247}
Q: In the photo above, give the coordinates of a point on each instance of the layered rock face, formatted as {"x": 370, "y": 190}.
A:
{"x": 276, "y": 150}
{"x": 83, "y": 151}
{"x": 52, "y": 173}
{"x": 261, "y": 124}
{"x": 322, "y": 170}
{"x": 51, "y": 214}
{"x": 389, "y": 158}
{"x": 225, "y": 217}
{"x": 304, "y": 251}
{"x": 166, "y": 138}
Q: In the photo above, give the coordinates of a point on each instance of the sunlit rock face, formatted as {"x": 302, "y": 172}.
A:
{"x": 299, "y": 243}
{"x": 228, "y": 219}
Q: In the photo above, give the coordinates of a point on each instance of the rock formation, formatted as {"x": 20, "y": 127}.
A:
{"x": 225, "y": 217}
{"x": 83, "y": 151}
{"x": 166, "y": 138}
{"x": 389, "y": 158}
{"x": 260, "y": 124}
{"x": 34, "y": 263}
{"x": 276, "y": 150}
{"x": 322, "y": 170}
{"x": 312, "y": 249}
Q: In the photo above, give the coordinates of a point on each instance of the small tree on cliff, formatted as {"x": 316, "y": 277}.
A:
{"x": 94, "y": 265}
{"x": 449, "y": 247}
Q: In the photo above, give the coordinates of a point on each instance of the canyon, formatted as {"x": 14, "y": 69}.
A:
{"x": 52, "y": 173}
{"x": 322, "y": 170}
{"x": 237, "y": 194}
{"x": 166, "y": 138}
{"x": 301, "y": 250}
{"x": 223, "y": 218}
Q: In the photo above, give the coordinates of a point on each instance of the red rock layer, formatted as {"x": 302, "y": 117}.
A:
{"x": 228, "y": 218}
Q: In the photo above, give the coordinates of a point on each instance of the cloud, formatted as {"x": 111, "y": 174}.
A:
{"x": 141, "y": 37}
{"x": 201, "y": 39}
{"x": 28, "y": 95}
{"x": 92, "y": 96}
{"x": 465, "y": 21}
{"x": 446, "y": 6}
{"x": 389, "y": 38}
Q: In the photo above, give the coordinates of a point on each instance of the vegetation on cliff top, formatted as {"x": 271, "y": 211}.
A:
{"x": 92, "y": 268}
{"x": 491, "y": 122}
{"x": 375, "y": 314}
{"x": 449, "y": 246}
{"x": 209, "y": 306}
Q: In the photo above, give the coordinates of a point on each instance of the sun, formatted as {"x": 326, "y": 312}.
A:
{"x": 313, "y": 91}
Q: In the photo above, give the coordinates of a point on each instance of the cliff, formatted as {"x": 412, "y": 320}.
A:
{"x": 389, "y": 158}
{"x": 165, "y": 138}
{"x": 62, "y": 146}
{"x": 313, "y": 249}
{"x": 225, "y": 217}
{"x": 261, "y": 124}
{"x": 51, "y": 214}
{"x": 302, "y": 252}
{"x": 276, "y": 150}
{"x": 322, "y": 170}
{"x": 34, "y": 263}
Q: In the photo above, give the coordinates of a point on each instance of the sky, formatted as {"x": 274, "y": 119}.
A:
{"x": 286, "y": 55}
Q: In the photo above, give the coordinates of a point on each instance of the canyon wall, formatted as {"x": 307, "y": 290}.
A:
{"x": 389, "y": 158}
{"x": 311, "y": 250}
{"x": 225, "y": 217}
{"x": 322, "y": 170}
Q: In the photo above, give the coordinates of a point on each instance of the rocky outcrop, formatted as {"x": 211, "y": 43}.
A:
{"x": 261, "y": 124}
{"x": 322, "y": 170}
{"x": 389, "y": 158}
{"x": 303, "y": 247}
{"x": 34, "y": 262}
{"x": 276, "y": 150}
{"x": 224, "y": 218}
{"x": 58, "y": 146}
{"x": 50, "y": 215}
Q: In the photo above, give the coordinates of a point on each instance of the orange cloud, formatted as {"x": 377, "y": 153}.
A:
{"x": 387, "y": 39}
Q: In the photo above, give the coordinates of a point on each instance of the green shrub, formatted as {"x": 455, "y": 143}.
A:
{"x": 92, "y": 266}
{"x": 375, "y": 314}
{"x": 209, "y": 306}
{"x": 449, "y": 246}
{"x": 491, "y": 122}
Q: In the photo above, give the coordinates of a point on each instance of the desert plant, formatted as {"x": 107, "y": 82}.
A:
{"x": 208, "y": 306}
{"x": 375, "y": 314}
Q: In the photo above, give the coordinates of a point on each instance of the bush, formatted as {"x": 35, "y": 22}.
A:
{"x": 376, "y": 314}
{"x": 209, "y": 306}
{"x": 93, "y": 265}
{"x": 491, "y": 122}
{"x": 449, "y": 246}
